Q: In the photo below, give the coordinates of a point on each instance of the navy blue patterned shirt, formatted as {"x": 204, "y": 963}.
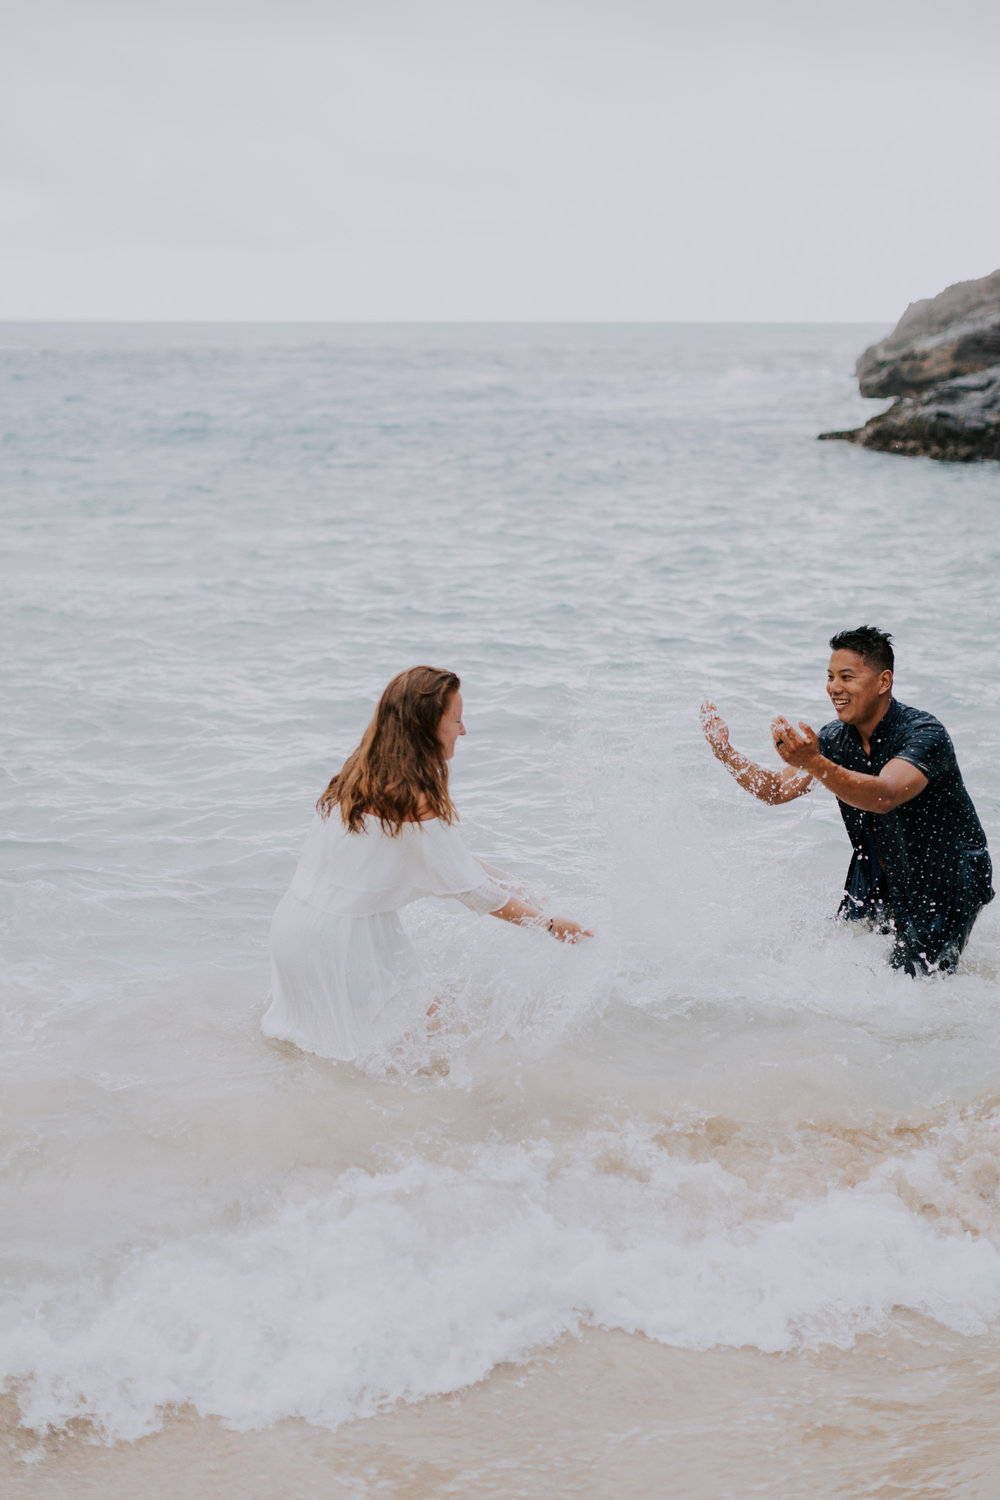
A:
{"x": 923, "y": 868}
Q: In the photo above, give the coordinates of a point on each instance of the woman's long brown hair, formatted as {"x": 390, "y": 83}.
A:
{"x": 399, "y": 770}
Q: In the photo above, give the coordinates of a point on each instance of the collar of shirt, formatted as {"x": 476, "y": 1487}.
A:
{"x": 879, "y": 734}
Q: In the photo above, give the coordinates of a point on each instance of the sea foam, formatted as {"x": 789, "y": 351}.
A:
{"x": 400, "y": 1284}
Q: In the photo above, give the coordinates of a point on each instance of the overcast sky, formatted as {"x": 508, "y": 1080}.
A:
{"x": 492, "y": 159}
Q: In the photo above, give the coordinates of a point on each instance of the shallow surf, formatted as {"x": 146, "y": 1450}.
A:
{"x": 719, "y": 1174}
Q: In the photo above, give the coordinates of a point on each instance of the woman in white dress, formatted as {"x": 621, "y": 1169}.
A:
{"x": 344, "y": 974}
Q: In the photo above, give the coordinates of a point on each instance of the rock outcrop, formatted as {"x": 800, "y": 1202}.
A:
{"x": 942, "y": 363}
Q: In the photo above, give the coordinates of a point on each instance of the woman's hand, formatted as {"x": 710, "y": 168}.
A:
{"x": 525, "y": 915}
{"x": 566, "y": 931}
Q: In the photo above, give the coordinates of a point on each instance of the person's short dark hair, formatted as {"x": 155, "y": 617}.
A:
{"x": 873, "y": 646}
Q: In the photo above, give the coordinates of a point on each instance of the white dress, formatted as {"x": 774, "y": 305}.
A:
{"x": 345, "y": 979}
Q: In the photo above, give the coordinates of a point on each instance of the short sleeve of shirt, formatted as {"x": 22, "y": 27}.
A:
{"x": 926, "y": 744}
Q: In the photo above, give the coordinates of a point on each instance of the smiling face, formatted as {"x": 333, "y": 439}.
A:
{"x": 860, "y": 694}
{"x": 451, "y": 727}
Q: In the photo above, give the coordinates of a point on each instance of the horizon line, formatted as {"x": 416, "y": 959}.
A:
{"x": 6, "y": 322}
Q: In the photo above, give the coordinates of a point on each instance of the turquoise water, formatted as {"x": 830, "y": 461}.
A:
{"x": 220, "y": 543}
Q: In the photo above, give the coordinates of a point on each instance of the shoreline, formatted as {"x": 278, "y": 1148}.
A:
{"x": 607, "y": 1414}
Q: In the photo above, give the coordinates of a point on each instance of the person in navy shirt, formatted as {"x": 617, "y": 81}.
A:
{"x": 920, "y": 869}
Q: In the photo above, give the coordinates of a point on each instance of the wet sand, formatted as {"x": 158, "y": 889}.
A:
{"x": 604, "y": 1417}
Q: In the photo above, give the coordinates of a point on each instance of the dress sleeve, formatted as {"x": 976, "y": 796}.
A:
{"x": 927, "y": 745}
{"x": 452, "y": 871}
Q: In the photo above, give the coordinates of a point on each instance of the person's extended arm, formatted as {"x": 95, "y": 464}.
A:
{"x": 523, "y": 914}
{"x": 519, "y": 910}
{"x": 896, "y": 783}
{"x": 772, "y": 787}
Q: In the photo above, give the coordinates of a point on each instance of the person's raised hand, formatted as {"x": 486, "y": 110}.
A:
{"x": 797, "y": 747}
{"x": 714, "y": 728}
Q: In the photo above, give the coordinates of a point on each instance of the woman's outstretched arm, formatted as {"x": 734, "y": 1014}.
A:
{"x": 524, "y": 914}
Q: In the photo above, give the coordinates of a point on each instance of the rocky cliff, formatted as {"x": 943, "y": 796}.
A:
{"x": 942, "y": 363}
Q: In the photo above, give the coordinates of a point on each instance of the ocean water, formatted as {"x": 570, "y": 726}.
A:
{"x": 721, "y": 1152}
